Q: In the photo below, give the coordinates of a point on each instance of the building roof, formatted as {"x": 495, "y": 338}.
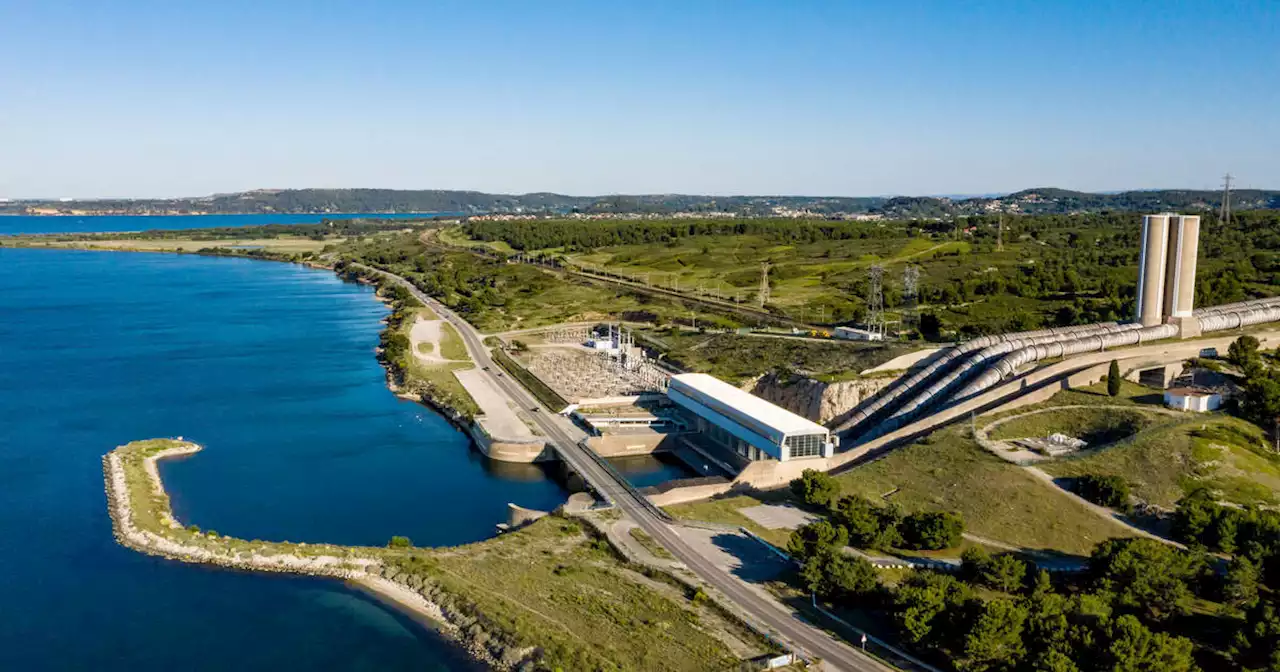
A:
{"x": 771, "y": 415}
{"x": 1190, "y": 392}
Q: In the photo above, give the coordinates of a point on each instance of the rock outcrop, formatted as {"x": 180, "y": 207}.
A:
{"x": 818, "y": 401}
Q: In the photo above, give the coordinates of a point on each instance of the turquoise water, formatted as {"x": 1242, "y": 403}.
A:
{"x": 15, "y": 224}
{"x": 269, "y": 366}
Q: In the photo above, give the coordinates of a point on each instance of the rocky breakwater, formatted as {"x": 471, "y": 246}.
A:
{"x": 819, "y": 401}
{"x": 143, "y": 521}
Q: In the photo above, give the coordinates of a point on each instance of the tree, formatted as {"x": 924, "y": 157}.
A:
{"x": 1002, "y": 572}
{"x": 399, "y": 542}
{"x": 1054, "y": 661}
{"x": 1243, "y": 351}
{"x": 1134, "y": 648}
{"x": 869, "y": 526}
{"x": 839, "y": 577}
{"x": 815, "y": 537}
{"x": 994, "y": 639}
{"x": 922, "y": 600}
{"x": 932, "y": 530}
{"x": 1109, "y": 491}
{"x": 1114, "y": 379}
{"x": 1256, "y": 645}
{"x": 1240, "y": 586}
{"x": 1145, "y": 576}
{"x": 816, "y": 488}
{"x": 930, "y": 327}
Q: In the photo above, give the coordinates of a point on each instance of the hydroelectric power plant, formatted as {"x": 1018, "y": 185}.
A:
{"x": 1165, "y": 310}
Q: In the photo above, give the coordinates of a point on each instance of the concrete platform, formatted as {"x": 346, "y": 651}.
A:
{"x": 778, "y": 516}
{"x": 500, "y": 420}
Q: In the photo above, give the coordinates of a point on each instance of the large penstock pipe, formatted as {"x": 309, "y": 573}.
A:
{"x": 904, "y": 385}
{"x": 1245, "y": 314}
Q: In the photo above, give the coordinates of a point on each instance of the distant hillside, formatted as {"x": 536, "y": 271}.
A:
{"x": 1031, "y": 201}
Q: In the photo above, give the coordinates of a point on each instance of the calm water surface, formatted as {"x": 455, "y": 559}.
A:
{"x": 271, "y": 368}
{"x": 15, "y": 224}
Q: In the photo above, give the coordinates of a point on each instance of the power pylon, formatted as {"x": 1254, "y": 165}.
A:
{"x": 1226, "y": 199}
{"x": 910, "y": 296}
{"x": 875, "y": 302}
{"x": 764, "y": 283}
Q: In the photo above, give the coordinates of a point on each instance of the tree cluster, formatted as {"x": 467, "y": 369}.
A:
{"x": 1109, "y": 491}
{"x": 992, "y": 618}
{"x": 867, "y": 525}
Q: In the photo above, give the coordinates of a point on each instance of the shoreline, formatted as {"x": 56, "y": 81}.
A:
{"x": 353, "y": 569}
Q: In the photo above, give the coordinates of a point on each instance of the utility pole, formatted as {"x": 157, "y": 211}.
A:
{"x": 1226, "y": 199}
{"x": 764, "y": 283}
{"x": 1000, "y": 234}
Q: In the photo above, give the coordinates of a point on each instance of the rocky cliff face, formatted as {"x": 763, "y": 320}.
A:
{"x": 818, "y": 401}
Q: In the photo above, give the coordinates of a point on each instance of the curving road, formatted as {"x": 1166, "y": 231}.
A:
{"x": 802, "y": 637}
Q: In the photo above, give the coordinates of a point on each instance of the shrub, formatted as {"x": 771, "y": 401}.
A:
{"x": 1001, "y": 572}
{"x": 399, "y": 542}
{"x": 1113, "y": 379}
{"x": 811, "y": 539}
{"x": 1110, "y": 491}
{"x": 816, "y": 488}
{"x": 1243, "y": 351}
{"x": 932, "y": 530}
{"x": 869, "y": 526}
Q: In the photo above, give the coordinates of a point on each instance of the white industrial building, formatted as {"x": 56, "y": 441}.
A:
{"x": 855, "y": 334}
{"x": 745, "y": 424}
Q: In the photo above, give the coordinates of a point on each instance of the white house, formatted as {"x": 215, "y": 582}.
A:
{"x": 1196, "y": 399}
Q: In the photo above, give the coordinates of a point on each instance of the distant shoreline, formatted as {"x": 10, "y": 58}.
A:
{"x": 227, "y": 214}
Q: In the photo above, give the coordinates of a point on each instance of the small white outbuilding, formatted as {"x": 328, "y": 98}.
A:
{"x": 1197, "y": 399}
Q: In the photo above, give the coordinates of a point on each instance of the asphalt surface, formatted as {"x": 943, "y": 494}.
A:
{"x": 803, "y": 638}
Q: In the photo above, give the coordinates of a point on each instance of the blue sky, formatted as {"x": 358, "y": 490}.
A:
{"x": 831, "y": 98}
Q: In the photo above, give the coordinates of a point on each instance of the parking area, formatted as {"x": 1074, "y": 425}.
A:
{"x": 778, "y": 516}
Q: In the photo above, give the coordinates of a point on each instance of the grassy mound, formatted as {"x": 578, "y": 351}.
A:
{"x": 1096, "y": 425}
{"x": 998, "y": 500}
{"x": 1164, "y": 463}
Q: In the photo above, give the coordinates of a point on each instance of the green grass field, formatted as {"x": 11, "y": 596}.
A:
{"x": 1224, "y": 454}
{"x": 1096, "y": 425}
{"x": 998, "y": 500}
{"x": 736, "y": 357}
{"x": 569, "y": 595}
{"x": 438, "y": 380}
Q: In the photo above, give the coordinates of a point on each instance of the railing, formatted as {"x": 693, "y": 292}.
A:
{"x": 622, "y": 480}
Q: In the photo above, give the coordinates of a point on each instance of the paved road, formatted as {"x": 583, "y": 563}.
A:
{"x": 805, "y": 638}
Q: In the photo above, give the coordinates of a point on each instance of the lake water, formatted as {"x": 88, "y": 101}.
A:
{"x": 16, "y": 224}
{"x": 271, "y": 367}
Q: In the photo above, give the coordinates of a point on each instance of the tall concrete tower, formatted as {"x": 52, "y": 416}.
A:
{"x": 1151, "y": 269}
{"x": 1180, "y": 266}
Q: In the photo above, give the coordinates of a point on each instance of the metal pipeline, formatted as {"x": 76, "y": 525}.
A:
{"x": 906, "y": 384}
{"x": 1245, "y": 314}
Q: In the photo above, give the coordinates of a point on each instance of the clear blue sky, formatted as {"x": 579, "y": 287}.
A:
{"x": 786, "y": 97}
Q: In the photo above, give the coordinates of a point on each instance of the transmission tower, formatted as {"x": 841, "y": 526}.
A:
{"x": 764, "y": 283}
{"x": 1000, "y": 235}
{"x": 910, "y": 296}
{"x": 875, "y": 303}
{"x": 1226, "y": 199}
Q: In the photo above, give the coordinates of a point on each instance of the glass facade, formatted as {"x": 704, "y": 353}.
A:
{"x": 805, "y": 445}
